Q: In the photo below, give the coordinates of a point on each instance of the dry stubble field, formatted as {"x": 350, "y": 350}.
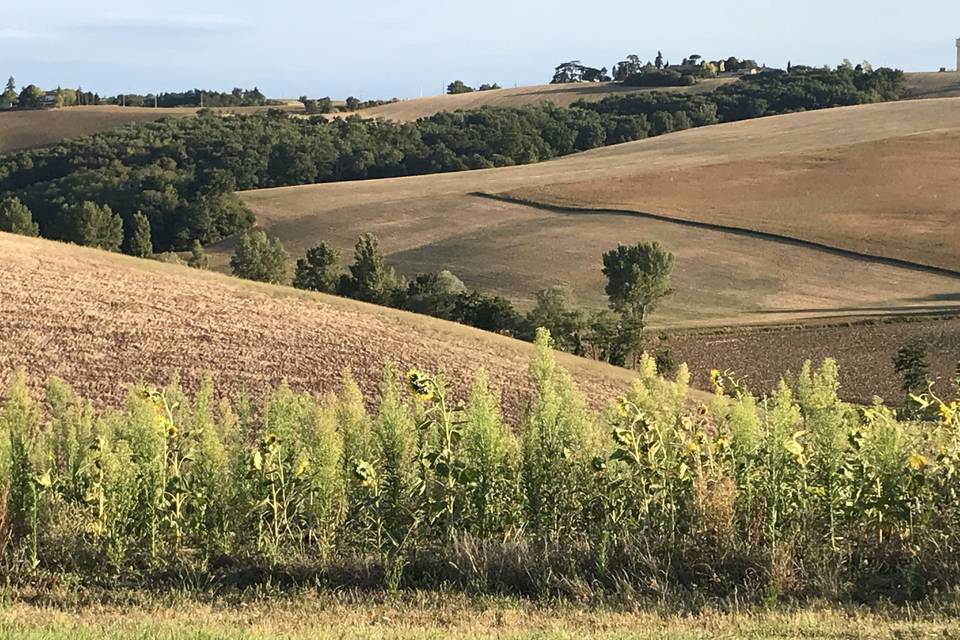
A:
{"x": 101, "y": 320}
{"x": 436, "y": 222}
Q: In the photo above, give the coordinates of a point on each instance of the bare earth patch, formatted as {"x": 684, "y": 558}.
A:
{"x": 100, "y": 321}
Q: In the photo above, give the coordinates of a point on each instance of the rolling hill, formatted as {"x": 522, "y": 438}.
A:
{"x": 28, "y": 129}
{"x": 738, "y": 269}
{"x": 562, "y": 95}
{"x": 100, "y": 320}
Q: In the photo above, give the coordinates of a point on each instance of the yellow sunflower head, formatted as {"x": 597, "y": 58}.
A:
{"x": 916, "y": 461}
{"x": 419, "y": 385}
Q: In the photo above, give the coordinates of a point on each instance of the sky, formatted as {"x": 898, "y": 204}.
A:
{"x": 402, "y": 48}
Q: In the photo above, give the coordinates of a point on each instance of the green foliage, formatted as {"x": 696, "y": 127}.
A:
{"x": 911, "y": 364}
{"x": 457, "y": 87}
{"x": 198, "y": 256}
{"x": 370, "y": 280}
{"x": 259, "y": 258}
{"x": 16, "y": 218}
{"x": 557, "y": 312}
{"x": 138, "y": 237}
{"x": 638, "y": 278}
{"x": 319, "y": 270}
{"x": 92, "y": 225}
{"x": 797, "y": 493}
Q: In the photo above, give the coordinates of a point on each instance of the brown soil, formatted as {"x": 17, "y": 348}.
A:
{"x": 100, "y": 321}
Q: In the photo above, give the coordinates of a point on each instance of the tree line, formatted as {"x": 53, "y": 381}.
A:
{"x": 181, "y": 174}
{"x": 32, "y": 97}
{"x": 638, "y": 279}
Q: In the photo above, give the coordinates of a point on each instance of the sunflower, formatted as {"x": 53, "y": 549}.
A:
{"x": 419, "y": 385}
{"x": 716, "y": 379}
{"x": 271, "y": 439}
{"x": 623, "y": 408}
{"x": 172, "y": 431}
{"x": 916, "y": 461}
{"x": 302, "y": 467}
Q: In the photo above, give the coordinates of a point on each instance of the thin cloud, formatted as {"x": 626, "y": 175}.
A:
{"x": 16, "y": 34}
{"x": 190, "y": 25}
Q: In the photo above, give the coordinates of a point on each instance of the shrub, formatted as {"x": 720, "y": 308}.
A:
{"x": 138, "y": 241}
{"x": 16, "y": 218}
{"x": 319, "y": 270}
{"x": 198, "y": 256}
{"x": 259, "y": 258}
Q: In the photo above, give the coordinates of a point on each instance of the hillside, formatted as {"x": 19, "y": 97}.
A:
{"x": 101, "y": 320}
{"x": 562, "y": 95}
{"x": 918, "y": 85}
{"x": 722, "y": 277}
{"x": 39, "y": 128}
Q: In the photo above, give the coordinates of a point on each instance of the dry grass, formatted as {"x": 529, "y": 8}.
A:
{"x": 433, "y": 222}
{"x": 101, "y": 320}
{"x": 422, "y": 616}
{"x": 562, "y": 95}
{"x": 895, "y": 197}
{"x": 919, "y": 85}
{"x": 29, "y": 129}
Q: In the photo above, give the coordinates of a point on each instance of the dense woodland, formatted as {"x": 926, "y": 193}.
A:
{"x": 180, "y": 174}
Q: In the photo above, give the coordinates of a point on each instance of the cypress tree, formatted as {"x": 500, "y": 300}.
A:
{"x": 138, "y": 241}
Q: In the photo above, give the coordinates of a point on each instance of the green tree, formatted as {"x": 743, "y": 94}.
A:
{"x": 435, "y": 294}
{"x": 370, "y": 279}
{"x": 138, "y": 241}
{"x": 638, "y": 278}
{"x": 9, "y": 95}
{"x": 259, "y": 258}
{"x": 911, "y": 364}
{"x": 319, "y": 270}
{"x": 15, "y": 217}
{"x": 92, "y": 225}
{"x": 198, "y": 257}
{"x": 557, "y": 311}
{"x": 30, "y": 97}
{"x": 458, "y": 86}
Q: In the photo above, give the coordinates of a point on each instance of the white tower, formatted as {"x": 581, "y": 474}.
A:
{"x": 958, "y": 54}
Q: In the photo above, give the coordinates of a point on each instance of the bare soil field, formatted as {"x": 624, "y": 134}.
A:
{"x": 436, "y": 222}
{"x": 101, "y": 320}
{"x": 39, "y": 128}
{"x": 864, "y": 350}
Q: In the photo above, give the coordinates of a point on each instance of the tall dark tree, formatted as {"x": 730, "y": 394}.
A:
{"x": 638, "y": 279}
{"x": 319, "y": 270}
{"x": 92, "y": 225}
{"x": 658, "y": 62}
{"x": 259, "y": 258}
{"x": 15, "y": 217}
{"x": 138, "y": 241}
{"x": 370, "y": 278}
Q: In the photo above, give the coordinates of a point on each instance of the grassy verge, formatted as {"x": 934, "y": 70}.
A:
{"x": 419, "y": 615}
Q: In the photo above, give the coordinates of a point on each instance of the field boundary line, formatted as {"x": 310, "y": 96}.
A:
{"x": 723, "y": 228}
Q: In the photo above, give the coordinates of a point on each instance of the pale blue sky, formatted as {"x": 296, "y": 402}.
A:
{"x": 386, "y": 48}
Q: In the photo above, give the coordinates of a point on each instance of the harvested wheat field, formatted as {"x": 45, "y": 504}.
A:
{"x": 101, "y": 320}
{"x": 42, "y": 127}
{"x": 722, "y": 276}
{"x": 562, "y": 95}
